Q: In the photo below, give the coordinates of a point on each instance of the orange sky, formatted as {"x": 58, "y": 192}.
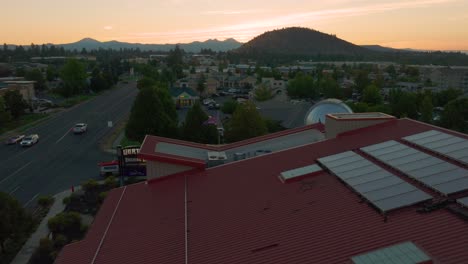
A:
{"x": 419, "y": 24}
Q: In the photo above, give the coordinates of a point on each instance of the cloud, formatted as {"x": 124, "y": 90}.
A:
{"x": 246, "y": 30}
{"x": 233, "y": 12}
{"x": 108, "y": 28}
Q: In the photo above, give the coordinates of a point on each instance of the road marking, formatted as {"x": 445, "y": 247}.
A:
{"x": 14, "y": 173}
{"x": 32, "y": 199}
{"x": 14, "y": 190}
{"x": 68, "y": 131}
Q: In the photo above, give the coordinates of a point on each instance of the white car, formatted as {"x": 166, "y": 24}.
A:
{"x": 80, "y": 128}
{"x": 29, "y": 140}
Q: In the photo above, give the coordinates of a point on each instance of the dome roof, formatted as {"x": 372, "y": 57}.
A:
{"x": 318, "y": 111}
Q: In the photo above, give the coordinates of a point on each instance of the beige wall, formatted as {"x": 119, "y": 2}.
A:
{"x": 334, "y": 127}
{"x": 26, "y": 90}
{"x": 156, "y": 169}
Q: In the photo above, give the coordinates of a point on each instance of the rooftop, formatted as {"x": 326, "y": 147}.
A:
{"x": 243, "y": 213}
{"x": 354, "y": 116}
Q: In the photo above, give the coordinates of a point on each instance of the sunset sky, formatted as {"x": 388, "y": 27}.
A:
{"x": 419, "y": 24}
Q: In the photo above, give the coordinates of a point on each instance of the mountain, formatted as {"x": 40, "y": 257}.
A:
{"x": 383, "y": 49}
{"x": 213, "y": 44}
{"x": 300, "y": 41}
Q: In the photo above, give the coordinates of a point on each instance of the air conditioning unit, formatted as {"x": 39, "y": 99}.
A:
{"x": 216, "y": 158}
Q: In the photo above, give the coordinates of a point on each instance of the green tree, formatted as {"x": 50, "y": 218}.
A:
{"x": 362, "y": 81}
{"x": 194, "y": 128}
{"x": 153, "y": 113}
{"x": 51, "y": 73}
{"x": 371, "y": 95}
{"x": 330, "y": 88}
{"x": 201, "y": 84}
{"x": 73, "y": 75}
{"x": 246, "y": 123}
{"x": 15, "y": 103}
{"x": 263, "y": 93}
{"x": 443, "y": 97}
{"x": 15, "y": 222}
{"x": 455, "y": 115}
{"x": 403, "y": 104}
{"x": 67, "y": 224}
{"x": 98, "y": 82}
{"x": 44, "y": 253}
{"x": 36, "y": 75}
{"x": 5, "y": 116}
{"x": 303, "y": 86}
{"x": 426, "y": 109}
{"x": 229, "y": 106}
{"x": 146, "y": 82}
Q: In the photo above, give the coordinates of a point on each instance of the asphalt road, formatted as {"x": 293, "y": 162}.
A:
{"x": 61, "y": 159}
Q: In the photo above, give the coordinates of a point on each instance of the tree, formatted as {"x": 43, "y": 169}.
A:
{"x": 195, "y": 129}
{"x": 455, "y": 115}
{"x": 15, "y": 103}
{"x": 426, "y": 109}
{"x": 303, "y": 86}
{"x": 330, "y": 88}
{"x": 403, "y": 104}
{"x": 153, "y": 113}
{"x": 146, "y": 82}
{"x": 201, "y": 84}
{"x": 5, "y": 116}
{"x": 443, "y": 97}
{"x": 67, "y": 224}
{"x": 15, "y": 222}
{"x": 36, "y": 75}
{"x": 229, "y": 106}
{"x": 362, "y": 81}
{"x": 51, "y": 73}
{"x": 371, "y": 95}
{"x": 74, "y": 78}
{"x": 246, "y": 123}
{"x": 98, "y": 82}
{"x": 263, "y": 93}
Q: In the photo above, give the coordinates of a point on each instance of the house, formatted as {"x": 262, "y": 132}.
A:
{"x": 379, "y": 191}
{"x": 183, "y": 96}
{"x": 212, "y": 84}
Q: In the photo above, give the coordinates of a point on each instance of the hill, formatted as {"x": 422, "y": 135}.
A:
{"x": 300, "y": 41}
{"x": 213, "y": 44}
{"x": 383, "y": 49}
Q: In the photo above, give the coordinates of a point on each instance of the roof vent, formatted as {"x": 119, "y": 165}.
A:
{"x": 299, "y": 173}
{"x": 216, "y": 158}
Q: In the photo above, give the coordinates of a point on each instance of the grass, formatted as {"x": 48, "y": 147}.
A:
{"x": 23, "y": 122}
{"x": 127, "y": 142}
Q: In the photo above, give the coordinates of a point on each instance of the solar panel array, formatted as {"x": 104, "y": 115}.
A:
{"x": 442, "y": 143}
{"x": 380, "y": 187}
{"x": 435, "y": 173}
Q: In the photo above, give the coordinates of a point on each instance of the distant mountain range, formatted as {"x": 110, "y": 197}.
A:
{"x": 213, "y": 44}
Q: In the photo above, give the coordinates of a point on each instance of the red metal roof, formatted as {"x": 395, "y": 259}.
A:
{"x": 242, "y": 213}
{"x": 148, "y": 148}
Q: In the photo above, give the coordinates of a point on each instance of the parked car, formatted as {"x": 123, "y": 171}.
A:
{"x": 80, "y": 128}
{"x": 14, "y": 139}
{"x": 213, "y": 106}
{"x": 29, "y": 140}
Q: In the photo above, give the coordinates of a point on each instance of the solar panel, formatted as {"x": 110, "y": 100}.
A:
{"x": 380, "y": 187}
{"x": 407, "y": 253}
{"x": 433, "y": 172}
{"x": 299, "y": 172}
{"x": 442, "y": 143}
{"x": 463, "y": 201}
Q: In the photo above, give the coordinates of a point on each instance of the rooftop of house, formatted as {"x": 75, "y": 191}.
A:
{"x": 243, "y": 212}
{"x": 177, "y": 91}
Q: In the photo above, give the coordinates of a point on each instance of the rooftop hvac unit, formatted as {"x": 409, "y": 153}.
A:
{"x": 216, "y": 158}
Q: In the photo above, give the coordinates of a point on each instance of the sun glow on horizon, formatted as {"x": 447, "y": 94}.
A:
{"x": 419, "y": 24}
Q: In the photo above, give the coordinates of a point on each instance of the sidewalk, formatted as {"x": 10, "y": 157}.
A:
{"x": 42, "y": 231}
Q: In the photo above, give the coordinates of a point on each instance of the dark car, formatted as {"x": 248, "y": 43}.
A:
{"x": 14, "y": 140}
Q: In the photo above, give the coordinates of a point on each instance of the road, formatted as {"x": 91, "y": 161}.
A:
{"x": 61, "y": 159}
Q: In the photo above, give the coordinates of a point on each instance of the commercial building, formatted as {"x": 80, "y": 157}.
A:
{"x": 382, "y": 190}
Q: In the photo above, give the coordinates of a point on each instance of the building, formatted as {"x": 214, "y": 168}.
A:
{"x": 319, "y": 111}
{"x": 25, "y": 88}
{"x": 183, "y": 96}
{"x": 390, "y": 192}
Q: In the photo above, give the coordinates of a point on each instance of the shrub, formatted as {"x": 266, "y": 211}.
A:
{"x": 45, "y": 200}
